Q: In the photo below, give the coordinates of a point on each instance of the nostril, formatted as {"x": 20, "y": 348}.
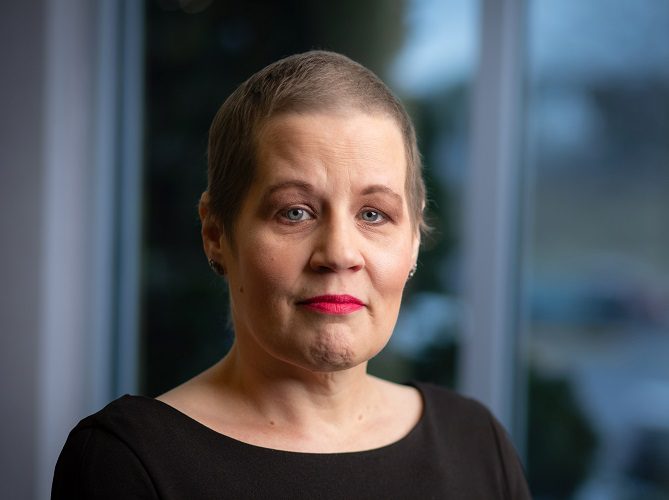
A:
{"x": 336, "y": 250}
{"x": 323, "y": 269}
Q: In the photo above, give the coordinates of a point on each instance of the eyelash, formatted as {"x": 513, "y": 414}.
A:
{"x": 305, "y": 211}
{"x": 384, "y": 217}
{"x": 284, "y": 214}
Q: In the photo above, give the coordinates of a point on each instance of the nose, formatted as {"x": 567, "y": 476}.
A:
{"x": 337, "y": 247}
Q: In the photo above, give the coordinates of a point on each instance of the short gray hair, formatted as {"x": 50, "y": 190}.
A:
{"x": 309, "y": 82}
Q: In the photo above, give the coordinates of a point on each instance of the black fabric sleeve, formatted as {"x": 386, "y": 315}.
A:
{"x": 95, "y": 464}
{"x": 512, "y": 470}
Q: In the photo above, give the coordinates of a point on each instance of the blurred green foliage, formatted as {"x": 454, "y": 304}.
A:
{"x": 561, "y": 442}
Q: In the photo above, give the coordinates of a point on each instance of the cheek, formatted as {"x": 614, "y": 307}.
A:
{"x": 390, "y": 270}
{"x": 267, "y": 268}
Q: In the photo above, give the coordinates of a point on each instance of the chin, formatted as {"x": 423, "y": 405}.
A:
{"x": 326, "y": 359}
{"x": 332, "y": 354}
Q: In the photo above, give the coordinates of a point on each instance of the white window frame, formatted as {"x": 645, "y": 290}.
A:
{"x": 92, "y": 163}
{"x": 492, "y": 219}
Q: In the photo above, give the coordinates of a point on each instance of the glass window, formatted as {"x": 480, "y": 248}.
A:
{"x": 197, "y": 53}
{"x": 598, "y": 249}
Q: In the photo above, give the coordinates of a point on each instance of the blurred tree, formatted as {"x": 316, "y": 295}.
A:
{"x": 561, "y": 442}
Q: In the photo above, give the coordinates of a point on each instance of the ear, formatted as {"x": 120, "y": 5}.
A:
{"x": 416, "y": 239}
{"x": 416, "y": 247}
{"x": 214, "y": 241}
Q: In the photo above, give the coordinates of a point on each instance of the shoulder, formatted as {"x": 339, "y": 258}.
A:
{"x": 138, "y": 409}
{"x": 465, "y": 430}
{"x": 130, "y": 419}
{"x": 453, "y": 415}
{"x": 451, "y": 407}
{"x": 100, "y": 456}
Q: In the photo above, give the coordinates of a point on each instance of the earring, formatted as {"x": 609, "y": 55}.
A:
{"x": 413, "y": 271}
{"x": 216, "y": 267}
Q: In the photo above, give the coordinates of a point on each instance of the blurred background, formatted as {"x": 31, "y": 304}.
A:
{"x": 544, "y": 293}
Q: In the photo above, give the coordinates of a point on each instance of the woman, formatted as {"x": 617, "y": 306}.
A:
{"x": 313, "y": 214}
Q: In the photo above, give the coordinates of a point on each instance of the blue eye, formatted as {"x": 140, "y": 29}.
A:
{"x": 372, "y": 216}
{"x": 296, "y": 214}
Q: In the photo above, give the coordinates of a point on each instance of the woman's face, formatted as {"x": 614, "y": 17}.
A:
{"x": 323, "y": 243}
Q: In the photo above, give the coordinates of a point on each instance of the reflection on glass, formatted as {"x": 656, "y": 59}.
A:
{"x": 598, "y": 255}
{"x": 197, "y": 53}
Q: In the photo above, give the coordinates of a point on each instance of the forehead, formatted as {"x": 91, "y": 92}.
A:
{"x": 329, "y": 146}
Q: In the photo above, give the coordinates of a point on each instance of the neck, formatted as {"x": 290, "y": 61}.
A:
{"x": 293, "y": 396}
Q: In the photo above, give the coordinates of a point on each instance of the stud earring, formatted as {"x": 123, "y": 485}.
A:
{"x": 412, "y": 272}
{"x": 216, "y": 267}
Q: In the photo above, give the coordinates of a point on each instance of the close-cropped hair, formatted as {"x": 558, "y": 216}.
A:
{"x": 311, "y": 82}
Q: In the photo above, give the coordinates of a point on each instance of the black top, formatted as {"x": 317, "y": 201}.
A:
{"x": 138, "y": 447}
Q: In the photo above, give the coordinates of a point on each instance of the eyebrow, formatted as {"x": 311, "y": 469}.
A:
{"x": 379, "y": 188}
{"x": 301, "y": 185}
{"x": 305, "y": 186}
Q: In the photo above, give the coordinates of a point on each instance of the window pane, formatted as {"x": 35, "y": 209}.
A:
{"x": 598, "y": 256}
{"x": 196, "y": 55}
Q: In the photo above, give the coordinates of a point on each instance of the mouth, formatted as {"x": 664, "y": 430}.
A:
{"x": 333, "y": 304}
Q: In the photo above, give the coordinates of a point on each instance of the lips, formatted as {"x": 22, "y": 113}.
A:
{"x": 333, "y": 304}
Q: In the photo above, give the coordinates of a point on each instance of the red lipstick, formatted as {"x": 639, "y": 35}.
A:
{"x": 333, "y": 304}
